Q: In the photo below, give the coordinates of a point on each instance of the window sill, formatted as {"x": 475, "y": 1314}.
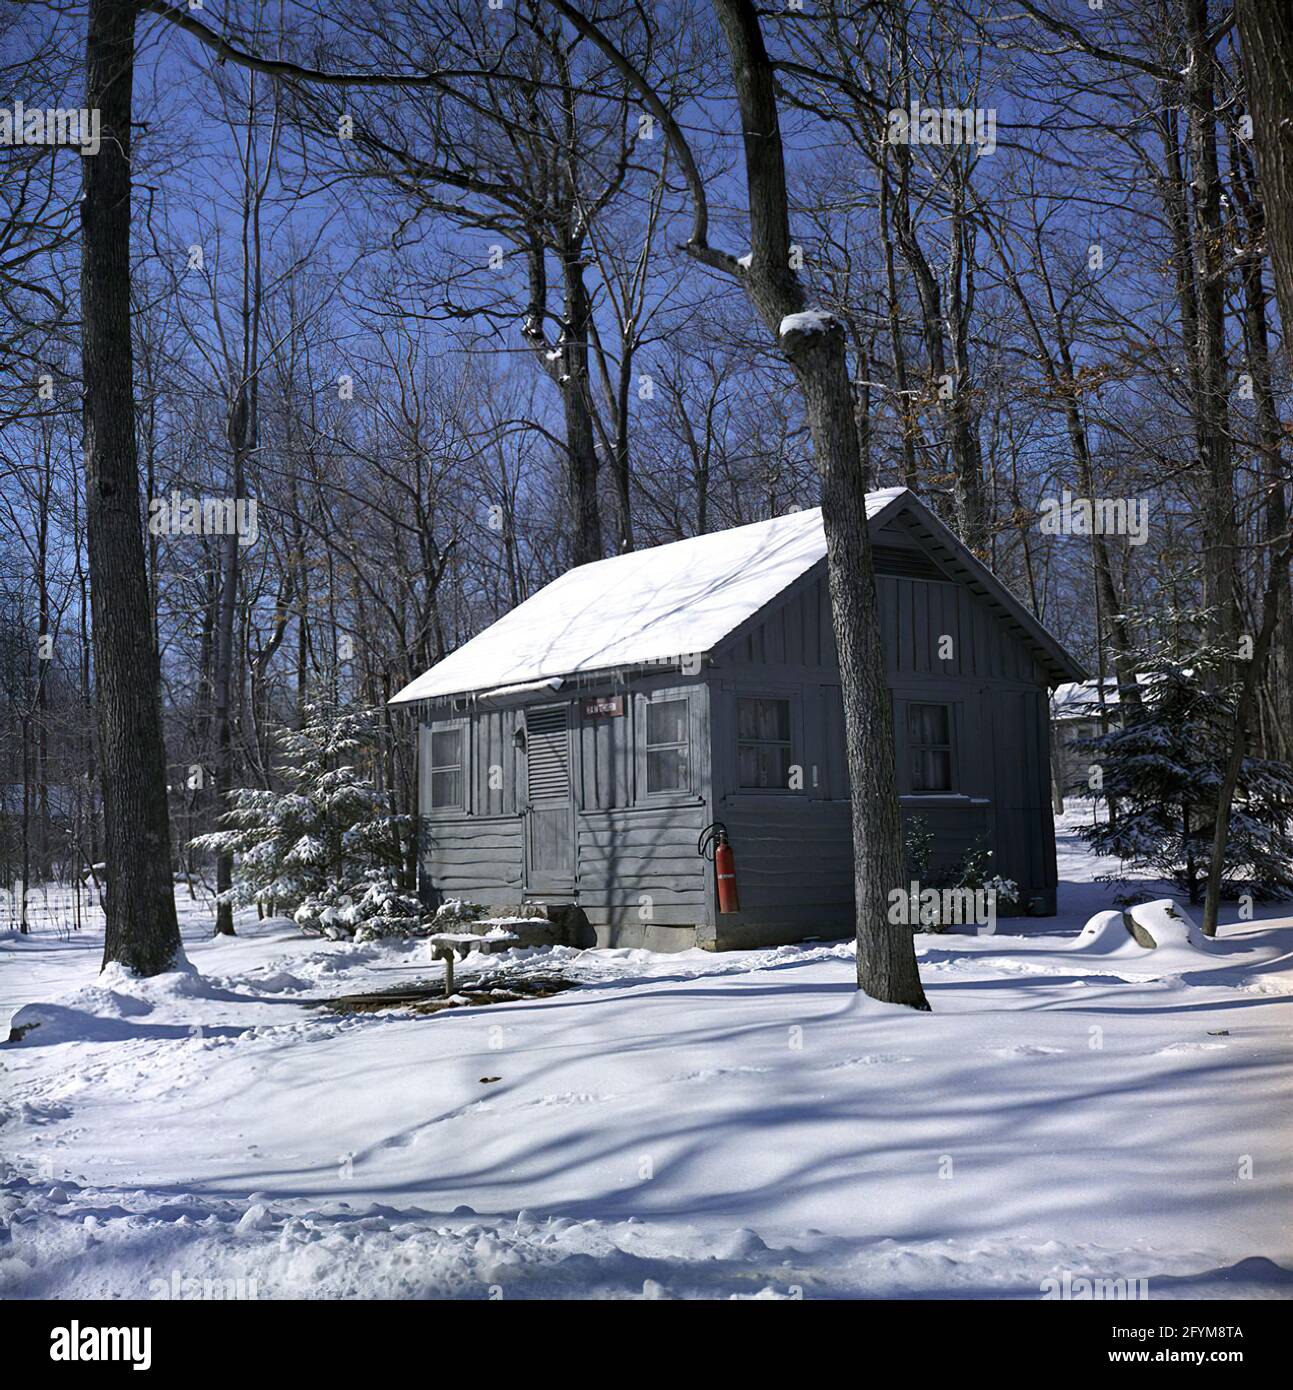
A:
{"x": 942, "y": 799}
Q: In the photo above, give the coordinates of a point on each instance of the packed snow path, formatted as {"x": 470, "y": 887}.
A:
{"x": 694, "y": 1125}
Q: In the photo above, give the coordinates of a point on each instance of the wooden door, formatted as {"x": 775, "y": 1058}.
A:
{"x": 550, "y": 804}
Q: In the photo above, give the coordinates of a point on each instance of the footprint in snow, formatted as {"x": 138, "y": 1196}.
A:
{"x": 569, "y": 1098}
{"x": 870, "y": 1059}
{"x": 714, "y": 1073}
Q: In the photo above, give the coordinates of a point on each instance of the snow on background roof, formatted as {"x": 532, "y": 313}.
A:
{"x": 660, "y": 604}
{"x": 1081, "y": 699}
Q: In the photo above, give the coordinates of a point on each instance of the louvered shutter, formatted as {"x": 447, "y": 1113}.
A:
{"x": 547, "y": 746}
{"x": 904, "y": 564}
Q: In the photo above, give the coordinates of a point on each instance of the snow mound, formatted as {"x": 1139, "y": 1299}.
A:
{"x": 271, "y": 980}
{"x": 110, "y": 1009}
{"x": 1144, "y": 931}
{"x": 1169, "y": 924}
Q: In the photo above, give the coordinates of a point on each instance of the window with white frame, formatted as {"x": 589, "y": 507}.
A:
{"x": 446, "y": 768}
{"x": 668, "y": 746}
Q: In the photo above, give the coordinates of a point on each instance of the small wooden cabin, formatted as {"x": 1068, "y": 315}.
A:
{"x": 574, "y": 751}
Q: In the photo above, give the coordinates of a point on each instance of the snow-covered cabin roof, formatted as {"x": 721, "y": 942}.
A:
{"x": 1081, "y": 699}
{"x": 666, "y": 603}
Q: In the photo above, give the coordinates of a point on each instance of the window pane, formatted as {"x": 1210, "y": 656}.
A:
{"x": 763, "y": 719}
{"x": 763, "y": 765}
{"x": 666, "y": 770}
{"x": 931, "y": 770}
{"x": 928, "y": 724}
{"x": 446, "y": 747}
{"x": 666, "y": 722}
{"x": 446, "y": 788}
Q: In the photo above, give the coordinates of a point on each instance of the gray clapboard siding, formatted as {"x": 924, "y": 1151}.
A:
{"x": 477, "y": 857}
{"x": 796, "y": 853}
{"x": 634, "y": 851}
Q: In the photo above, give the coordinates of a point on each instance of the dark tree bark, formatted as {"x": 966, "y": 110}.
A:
{"x": 577, "y": 405}
{"x": 1235, "y": 761}
{"x": 935, "y": 315}
{"x": 142, "y": 933}
{"x": 886, "y": 959}
{"x": 1211, "y": 371}
{"x": 223, "y": 679}
{"x": 1276, "y": 692}
{"x": 897, "y": 348}
{"x": 1266, "y": 41}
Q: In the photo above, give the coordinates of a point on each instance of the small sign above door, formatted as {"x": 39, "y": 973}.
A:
{"x": 602, "y": 707}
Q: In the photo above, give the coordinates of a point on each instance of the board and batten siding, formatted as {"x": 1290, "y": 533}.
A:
{"x": 479, "y": 848}
{"x": 635, "y": 852}
{"x": 794, "y": 849}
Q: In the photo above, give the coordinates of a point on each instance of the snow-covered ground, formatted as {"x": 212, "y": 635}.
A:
{"x": 690, "y": 1125}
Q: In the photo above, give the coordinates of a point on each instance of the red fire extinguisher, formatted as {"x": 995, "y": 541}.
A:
{"x": 714, "y": 845}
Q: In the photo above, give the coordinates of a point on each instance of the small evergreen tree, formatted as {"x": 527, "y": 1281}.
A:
{"x": 1162, "y": 767}
{"x": 327, "y": 847}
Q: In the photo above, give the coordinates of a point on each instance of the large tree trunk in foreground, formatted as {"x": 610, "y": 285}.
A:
{"x": 1235, "y": 761}
{"x": 1210, "y": 376}
{"x": 886, "y": 957}
{"x": 140, "y": 904}
{"x": 1266, "y": 41}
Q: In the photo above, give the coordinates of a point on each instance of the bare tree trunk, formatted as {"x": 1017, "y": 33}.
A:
{"x": 1212, "y": 429}
{"x": 1234, "y": 763}
{"x": 222, "y": 686}
{"x": 1278, "y": 735}
{"x": 897, "y": 348}
{"x": 44, "y": 662}
{"x": 1057, "y": 774}
{"x": 576, "y": 400}
{"x": 886, "y": 959}
{"x": 141, "y": 933}
{"x": 816, "y": 351}
{"x": 1266, "y": 39}
{"x": 950, "y": 389}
